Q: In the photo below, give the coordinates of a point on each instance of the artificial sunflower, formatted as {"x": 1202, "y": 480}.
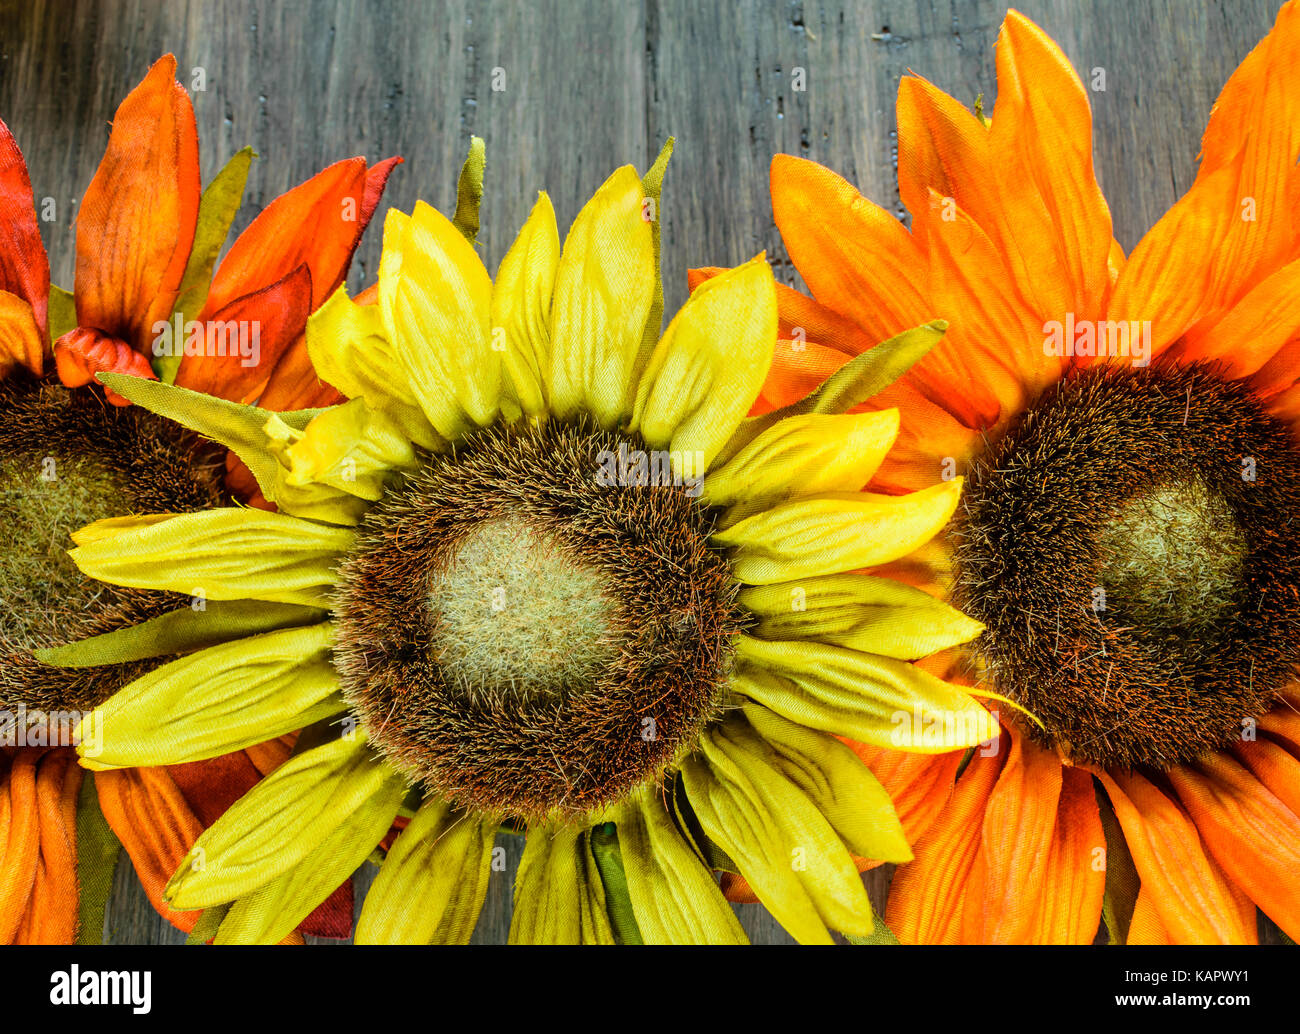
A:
{"x": 1129, "y": 429}
{"x": 147, "y": 242}
{"x": 573, "y": 591}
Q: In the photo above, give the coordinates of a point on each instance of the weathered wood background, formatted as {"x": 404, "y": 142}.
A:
{"x": 583, "y": 87}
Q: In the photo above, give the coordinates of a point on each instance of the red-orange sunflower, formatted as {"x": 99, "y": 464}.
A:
{"x": 1129, "y": 431}
{"x": 146, "y": 302}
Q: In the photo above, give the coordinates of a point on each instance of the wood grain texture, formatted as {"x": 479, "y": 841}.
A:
{"x": 588, "y": 86}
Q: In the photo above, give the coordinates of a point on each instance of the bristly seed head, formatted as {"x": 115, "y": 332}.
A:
{"x": 67, "y": 459}
{"x": 524, "y": 640}
{"x": 1132, "y": 547}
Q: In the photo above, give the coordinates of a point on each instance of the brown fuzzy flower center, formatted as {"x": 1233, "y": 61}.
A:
{"x": 68, "y": 459}
{"x": 523, "y": 637}
{"x": 1130, "y": 547}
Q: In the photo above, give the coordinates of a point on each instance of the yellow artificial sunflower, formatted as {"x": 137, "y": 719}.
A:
{"x": 573, "y": 590}
{"x": 1127, "y": 535}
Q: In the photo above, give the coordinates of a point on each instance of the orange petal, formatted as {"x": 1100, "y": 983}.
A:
{"x": 798, "y": 368}
{"x": 150, "y": 816}
{"x": 1145, "y": 926}
{"x": 294, "y": 383}
{"x": 943, "y": 149}
{"x": 318, "y": 223}
{"x": 20, "y": 845}
{"x": 1058, "y": 227}
{"x": 21, "y": 338}
{"x": 213, "y": 785}
{"x": 1250, "y": 832}
{"x": 24, "y": 267}
{"x": 81, "y": 353}
{"x": 1188, "y": 892}
{"x": 1254, "y": 134}
{"x": 1017, "y": 840}
{"x": 1168, "y": 280}
{"x": 992, "y": 353}
{"x": 54, "y": 900}
{"x": 1274, "y": 766}
{"x": 1254, "y": 333}
{"x": 854, "y": 256}
{"x": 1074, "y": 878}
{"x": 136, "y": 222}
{"x": 920, "y": 785}
{"x": 929, "y": 894}
{"x": 254, "y": 332}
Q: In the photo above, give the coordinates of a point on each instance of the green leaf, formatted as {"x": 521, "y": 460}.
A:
{"x": 239, "y": 428}
{"x": 652, "y": 183}
{"x": 882, "y": 934}
{"x": 97, "y": 851}
{"x": 209, "y": 922}
{"x": 618, "y": 902}
{"x": 217, "y": 210}
{"x": 181, "y": 631}
{"x": 469, "y": 190}
{"x": 62, "y": 312}
{"x": 858, "y": 380}
{"x": 1122, "y": 880}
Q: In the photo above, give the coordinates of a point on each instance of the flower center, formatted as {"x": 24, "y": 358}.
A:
{"x": 1125, "y": 546}
{"x": 522, "y": 637}
{"x": 66, "y": 460}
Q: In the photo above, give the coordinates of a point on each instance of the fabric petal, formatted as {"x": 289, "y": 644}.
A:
{"x": 1193, "y": 901}
{"x": 1248, "y": 830}
{"x": 136, "y": 223}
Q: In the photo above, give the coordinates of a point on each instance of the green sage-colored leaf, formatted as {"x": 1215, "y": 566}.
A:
{"x": 1122, "y": 880}
{"x": 97, "y": 853}
{"x": 469, "y": 190}
{"x": 182, "y": 631}
{"x": 861, "y": 378}
{"x": 618, "y": 903}
{"x": 62, "y": 313}
{"x": 240, "y": 428}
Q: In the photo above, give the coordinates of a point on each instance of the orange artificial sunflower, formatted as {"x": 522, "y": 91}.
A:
{"x": 146, "y": 302}
{"x": 1129, "y": 430}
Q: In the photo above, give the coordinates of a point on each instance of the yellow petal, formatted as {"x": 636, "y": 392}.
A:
{"x": 559, "y": 895}
{"x": 834, "y": 778}
{"x": 813, "y": 849}
{"x": 861, "y": 612}
{"x": 350, "y": 447}
{"x": 838, "y": 531}
{"x": 802, "y": 456}
{"x": 273, "y": 911}
{"x": 431, "y": 886}
{"x": 435, "y": 299}
{"x": 281, "y": 821}
{"x": 216, "y": 701}
{"x": 871, "y": 699}
{"x": 350, "y": 351}
{"x": 674, "y": 896}
{"x": 733, "y": 813}
{"x": 521, "y": 307}
{"x": 705, "y": 373}
{"x": 604, "y": 290}
{"x": 220, "y": 554}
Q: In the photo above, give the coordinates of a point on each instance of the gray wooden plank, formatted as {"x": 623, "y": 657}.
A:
{"x": 587, "y": 86}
